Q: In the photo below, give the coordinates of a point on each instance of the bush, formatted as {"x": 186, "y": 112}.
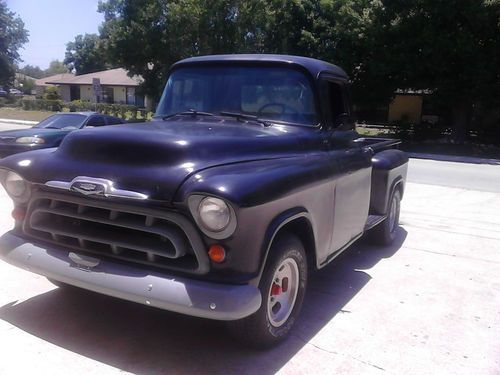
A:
{"x": 51, "y": 93}
{"x": 42, "y": 105}
{"x": 124, "y": 111}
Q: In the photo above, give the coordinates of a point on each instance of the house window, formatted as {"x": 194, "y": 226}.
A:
{"x": 131, "y": 95}
{"x": 108, "y": 94}
{"x": 74, "y": 92}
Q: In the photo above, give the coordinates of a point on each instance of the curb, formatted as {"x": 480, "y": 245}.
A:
{"x": 18, "y": 122}
{"x": 452, "y": 158}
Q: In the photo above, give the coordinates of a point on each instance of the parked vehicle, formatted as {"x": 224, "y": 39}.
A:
{"x": 3, "y": 93}
{"x": 15, "y": 92}
{"x": 51, "y": 131}
{"x": 250, "y": 175}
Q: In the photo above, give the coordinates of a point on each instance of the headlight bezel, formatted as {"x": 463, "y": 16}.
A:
{"x": 194, "y": 203}
{"x": 30, "y": 140}
{"x": 23, "y": 196}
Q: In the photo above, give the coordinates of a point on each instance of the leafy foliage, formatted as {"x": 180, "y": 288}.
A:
{"x": 450, "y": 47}
{"x": 12, "y": 37}
{"x": 32, "y": 71}
{"x": 55, "y": 67}
{"x": 86, "y": 54}
{"x": 51, "y": 93}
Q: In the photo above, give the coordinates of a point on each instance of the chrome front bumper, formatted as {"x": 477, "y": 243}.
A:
{"x": 183, "y": 295}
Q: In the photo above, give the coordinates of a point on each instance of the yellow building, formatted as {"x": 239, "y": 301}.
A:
{"x": 406, "y": 107}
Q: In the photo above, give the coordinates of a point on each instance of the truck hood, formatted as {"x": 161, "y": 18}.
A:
{"x": 155, "y": 158}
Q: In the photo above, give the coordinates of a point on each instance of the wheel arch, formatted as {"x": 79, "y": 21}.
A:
{"x": 298, "y": 222}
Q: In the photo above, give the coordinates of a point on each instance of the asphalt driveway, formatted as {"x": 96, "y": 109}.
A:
{"x": 428, "y": 304}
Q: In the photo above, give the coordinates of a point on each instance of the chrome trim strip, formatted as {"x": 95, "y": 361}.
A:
{"x": 108, "y": 190}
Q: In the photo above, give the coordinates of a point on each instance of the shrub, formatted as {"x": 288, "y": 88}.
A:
{"x": 51, "y": 93}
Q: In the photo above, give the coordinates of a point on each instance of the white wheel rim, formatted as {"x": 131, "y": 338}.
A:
{"x": 283, "y": 292}
{"x": 393, "y": 214}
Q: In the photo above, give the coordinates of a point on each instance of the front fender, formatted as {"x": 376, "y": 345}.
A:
{"x": 265, "y": 194}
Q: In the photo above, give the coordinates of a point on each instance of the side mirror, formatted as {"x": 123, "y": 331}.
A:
{"x": 343, "y": 121}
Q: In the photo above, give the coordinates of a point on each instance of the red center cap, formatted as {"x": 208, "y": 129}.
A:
{"x": 275, "y": 290}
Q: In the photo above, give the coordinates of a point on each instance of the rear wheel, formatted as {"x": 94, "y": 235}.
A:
{"x": 385, "y": 232}
{"x": 282, "y": 287}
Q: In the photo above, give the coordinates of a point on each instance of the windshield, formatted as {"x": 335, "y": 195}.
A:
{"x": 62, "y": 121}
{"x": 270, "y": 93}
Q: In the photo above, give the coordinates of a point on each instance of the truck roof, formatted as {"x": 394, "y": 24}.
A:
{"x": 313, "y": 66}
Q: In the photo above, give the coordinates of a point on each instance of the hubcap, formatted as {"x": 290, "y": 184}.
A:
{"x": 393, "y": 214}
{"x": 283, "y": 292}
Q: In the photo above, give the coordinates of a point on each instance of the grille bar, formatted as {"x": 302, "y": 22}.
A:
{"x": 152, "y": 237}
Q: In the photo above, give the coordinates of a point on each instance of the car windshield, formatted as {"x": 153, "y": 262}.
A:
{"x": 62, "y": 121}
{"x": 270, "y": 93}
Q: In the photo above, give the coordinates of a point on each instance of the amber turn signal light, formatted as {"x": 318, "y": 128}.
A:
{"x": 216, "y": 253}
{"x": 18, "y": 214}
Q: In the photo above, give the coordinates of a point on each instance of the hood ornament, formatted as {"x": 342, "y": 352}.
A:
{"x": 90, "y": 186}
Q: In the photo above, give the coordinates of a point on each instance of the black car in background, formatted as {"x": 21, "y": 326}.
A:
{"x": 51, "y": 131}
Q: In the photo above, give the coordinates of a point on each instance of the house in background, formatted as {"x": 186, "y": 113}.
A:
{"x": 42, "y": 83}
{"x": 116, "y": 87}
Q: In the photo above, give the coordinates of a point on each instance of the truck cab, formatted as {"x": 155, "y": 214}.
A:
{"x": 249, "y": 176}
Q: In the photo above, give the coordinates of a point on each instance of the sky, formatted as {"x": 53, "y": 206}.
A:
{"x": 52, "y": 24}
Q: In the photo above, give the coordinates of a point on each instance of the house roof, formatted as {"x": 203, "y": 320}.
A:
{"x": 313, "y": 66}
{"x": 115, "y": 77}
{"x": 56, "y": 77}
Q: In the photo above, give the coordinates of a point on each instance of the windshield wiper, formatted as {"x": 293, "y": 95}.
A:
{"x": 189, "y": 112}
{"x": 243, "y": 116}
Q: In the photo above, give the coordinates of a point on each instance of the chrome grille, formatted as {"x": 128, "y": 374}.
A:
{"x": 150, "y": 237}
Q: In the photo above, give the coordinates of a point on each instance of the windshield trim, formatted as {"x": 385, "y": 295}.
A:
{"x": 313, "y": 80}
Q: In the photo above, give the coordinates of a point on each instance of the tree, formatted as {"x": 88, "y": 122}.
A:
{"x": 12, "y": 37}
{"x": 32, "y": 71}
{"x": 86, "y": 54}
{"x": 55, "y": 67}
{"x": 450, "y": 47}
{"x": 147, "y": 37}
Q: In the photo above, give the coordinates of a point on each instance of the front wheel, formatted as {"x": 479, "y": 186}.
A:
{"x": 282, "y": 287}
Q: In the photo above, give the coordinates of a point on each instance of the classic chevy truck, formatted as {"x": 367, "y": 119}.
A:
{"x": 249, "y": 176}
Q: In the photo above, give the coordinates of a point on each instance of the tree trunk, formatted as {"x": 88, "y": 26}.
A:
{"x": 460, "y": 121}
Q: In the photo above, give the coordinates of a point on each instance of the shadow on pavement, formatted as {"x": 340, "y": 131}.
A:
{"x": 144, "y": 340}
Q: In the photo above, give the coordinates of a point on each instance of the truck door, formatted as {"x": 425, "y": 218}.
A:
{"x": 352, "y": 182}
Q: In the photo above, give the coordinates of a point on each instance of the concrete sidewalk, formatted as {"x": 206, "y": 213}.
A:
{"x": 18, "y": 122}
{"x": 427, "y": 305}
{"x": 453, "y": 158}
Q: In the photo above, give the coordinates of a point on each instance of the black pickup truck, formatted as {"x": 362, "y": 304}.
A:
{"x": 249, "y": 176}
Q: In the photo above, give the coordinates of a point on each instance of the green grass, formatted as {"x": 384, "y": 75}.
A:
{"x": 373, "y": 132}
{"x": 20, "y": 114}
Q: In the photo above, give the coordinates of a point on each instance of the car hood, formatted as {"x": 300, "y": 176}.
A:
{"x": 32, "y": 132}
{"x": 155, "y": 158}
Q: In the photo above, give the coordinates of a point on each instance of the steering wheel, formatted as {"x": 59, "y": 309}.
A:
{"x": 283, "y": 107}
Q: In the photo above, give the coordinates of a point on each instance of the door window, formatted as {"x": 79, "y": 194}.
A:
{"x": 113, "y": 120}
{"x": 96, "y": 121}
{"x": 334, "y": 101}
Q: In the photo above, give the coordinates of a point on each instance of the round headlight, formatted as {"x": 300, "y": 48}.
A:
{"x": 214, "y": 214}
{"x": 15, "y": 185}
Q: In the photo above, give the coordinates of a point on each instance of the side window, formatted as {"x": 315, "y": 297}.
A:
{"x": 336, "y": 102}
{"x": 96, "y": 121}
{"x": 113, "y": 121}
